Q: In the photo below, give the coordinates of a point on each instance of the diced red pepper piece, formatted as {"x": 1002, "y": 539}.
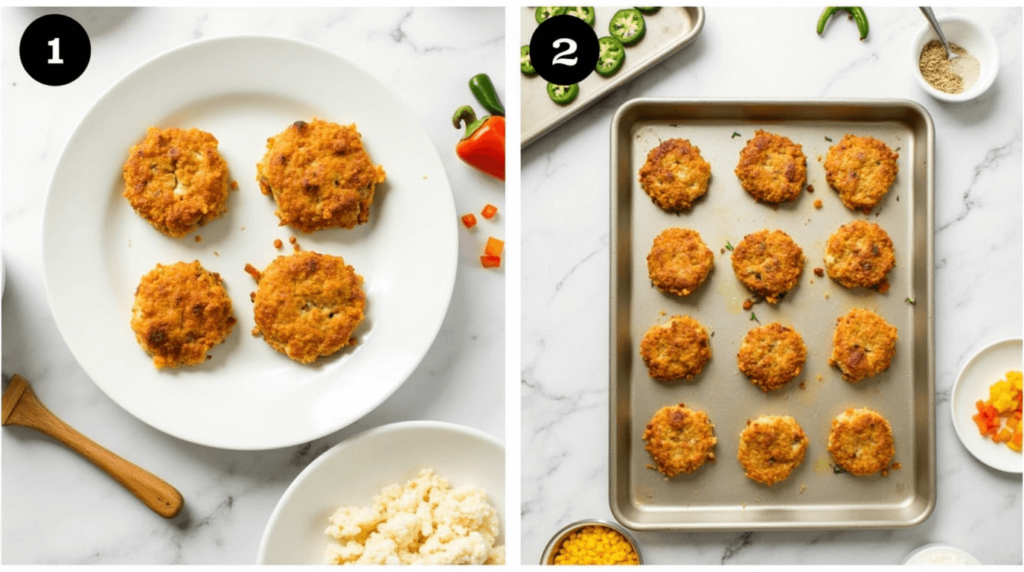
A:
{"x": 494, "y": 246}
{"x": 469, "y": 220}
{"x": 490, "y": 261}
{"x": 489, "y": 211}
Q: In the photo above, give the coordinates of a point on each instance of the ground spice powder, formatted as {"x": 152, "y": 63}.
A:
{"x": 948, "y": 76}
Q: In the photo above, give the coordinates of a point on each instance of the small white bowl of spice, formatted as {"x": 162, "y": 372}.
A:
{"x": 964, "y": 77}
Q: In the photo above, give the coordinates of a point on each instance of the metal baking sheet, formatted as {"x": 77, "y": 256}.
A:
{"x": 718, "y": 495}
{"x": 668, "y": 30}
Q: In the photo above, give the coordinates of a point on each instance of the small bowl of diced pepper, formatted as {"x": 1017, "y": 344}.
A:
{"x": 593, "y": 542}
{"x": 986, "y": 405}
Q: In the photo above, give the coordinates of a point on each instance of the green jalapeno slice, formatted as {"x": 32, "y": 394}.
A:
{"x": 525, "y": 64}
{"x": 627, "y": 26}
{"x": 611, "y": 56}
{"x": 585, "y": 13}
{"x": 648, "y": 9}
{"x": 545, "y": 12}
{"x": 563, "y": 94}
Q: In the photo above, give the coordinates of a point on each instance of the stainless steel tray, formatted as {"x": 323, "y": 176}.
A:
{"x": 668, "y": 30}
{"x": 719, "y": 495}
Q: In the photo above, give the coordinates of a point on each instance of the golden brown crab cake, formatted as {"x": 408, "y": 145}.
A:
{"x": 677, "y": 349}
{"x": 307, "y": 305}
{"x": 675, "y": 175}
{"x": 859, "y": 253}
{"x": 679, "y": 439}
{"x": 176, "y": 179}
{"x": 320, "y": 176}
{"x": 863, "y": 345}
{"x": 771, "y": 446}
{"x": 772, "y": 355}
{"x": 772, "y": 168}
{"x": 861, "y": 169}
{"x": 769, "y": 263}
{"x": 181, "y": 311}
{"x": 861, "y": 442}
{"x": 679, "y": 261}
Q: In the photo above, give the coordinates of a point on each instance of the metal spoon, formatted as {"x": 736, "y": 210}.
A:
{"x": 22, "y": 407}
{"x": 938, "y": 30}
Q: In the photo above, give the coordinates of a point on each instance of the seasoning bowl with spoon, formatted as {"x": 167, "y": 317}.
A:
{"x": 966, "y": 76}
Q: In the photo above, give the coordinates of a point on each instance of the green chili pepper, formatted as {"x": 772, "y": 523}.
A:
{"x": 610, "y": 57}
{"x": 525, "y": 64}
{"x": 627, "y": 26}
{"x": 485, "y": 93}
{"x": 563, "y": 94}
{"x": 648, "y": 9}
{"x": 545, "y": 12}
{"x": 855, "y": 11}
{"x": 585, "y": 13}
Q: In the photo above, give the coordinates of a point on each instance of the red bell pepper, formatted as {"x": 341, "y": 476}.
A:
{"x": 483, "y": 145}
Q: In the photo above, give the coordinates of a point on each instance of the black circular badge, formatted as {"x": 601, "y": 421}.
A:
{"x": 564, "y": 49}
{"x": 55, "y": 49}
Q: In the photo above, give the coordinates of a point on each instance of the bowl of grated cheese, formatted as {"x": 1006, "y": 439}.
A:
{"x": 416, "y": 492}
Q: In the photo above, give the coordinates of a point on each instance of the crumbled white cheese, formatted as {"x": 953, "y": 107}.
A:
{"x": 423, "y": 522}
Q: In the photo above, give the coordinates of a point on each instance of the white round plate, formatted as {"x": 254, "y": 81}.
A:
{"x": 354, "y": 471}
{"x": 985, "y": 368}
{"x": 244, "y": 89}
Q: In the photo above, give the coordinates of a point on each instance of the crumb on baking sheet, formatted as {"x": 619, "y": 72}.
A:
{"x": 278, "y": 243}
{"x": 817, "y": 203}
{"x": 810, "y": 188}
{"x": 819, "y": 271}
{"x": 424, "y": 521}
{"x": 199, "y": 238}
{"x": 234, "y": 185}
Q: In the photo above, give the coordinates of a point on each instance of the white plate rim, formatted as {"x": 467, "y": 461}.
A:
{"x": 344, "y": 446}
{"x": 967, "y": 432}
{"x": 446, "y": 270}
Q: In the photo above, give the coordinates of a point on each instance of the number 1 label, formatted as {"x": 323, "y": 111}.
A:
{"x": 55, "y": 51}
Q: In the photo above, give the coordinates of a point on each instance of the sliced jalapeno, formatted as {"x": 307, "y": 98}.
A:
{"x": 563, "y": 94}
{"x": 525, "y": 64}
{"x": 648, "y": 9}
{"x": 585, "y": 13}
{"x": 627, "y": 26}
{"x": 545, "y": 12}
{"x": 611, "y": 56}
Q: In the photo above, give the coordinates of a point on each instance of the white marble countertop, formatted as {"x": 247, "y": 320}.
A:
{"x": 753, "y": 54}
{"x": 59, "y": 509}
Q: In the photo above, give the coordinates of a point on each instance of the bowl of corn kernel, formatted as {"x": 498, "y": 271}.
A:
{"x": 597, "y": 542}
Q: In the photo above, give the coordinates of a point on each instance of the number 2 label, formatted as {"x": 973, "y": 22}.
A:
{"x": 560, "y": 58}
{"x": 55, "y": 51}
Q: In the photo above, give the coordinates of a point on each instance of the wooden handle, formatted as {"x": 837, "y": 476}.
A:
{"x": 22, "y": 407}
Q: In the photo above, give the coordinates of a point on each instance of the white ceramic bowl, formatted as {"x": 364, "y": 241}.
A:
{"x": 970, "y": 35}
{"x": 983, "y": 369}
{"x": 936, "y": 554}
{"x": 352, "y": 472}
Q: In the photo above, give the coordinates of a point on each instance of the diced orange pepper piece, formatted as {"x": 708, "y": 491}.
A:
{"x": 494, "y": 246}
{"x": 469, "y": 220}
{"x": 1003, "y": 436}
{"x": 489, "y": 211}
{"x": 1015, "y": 441}
{"x": 490, "y": 261}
